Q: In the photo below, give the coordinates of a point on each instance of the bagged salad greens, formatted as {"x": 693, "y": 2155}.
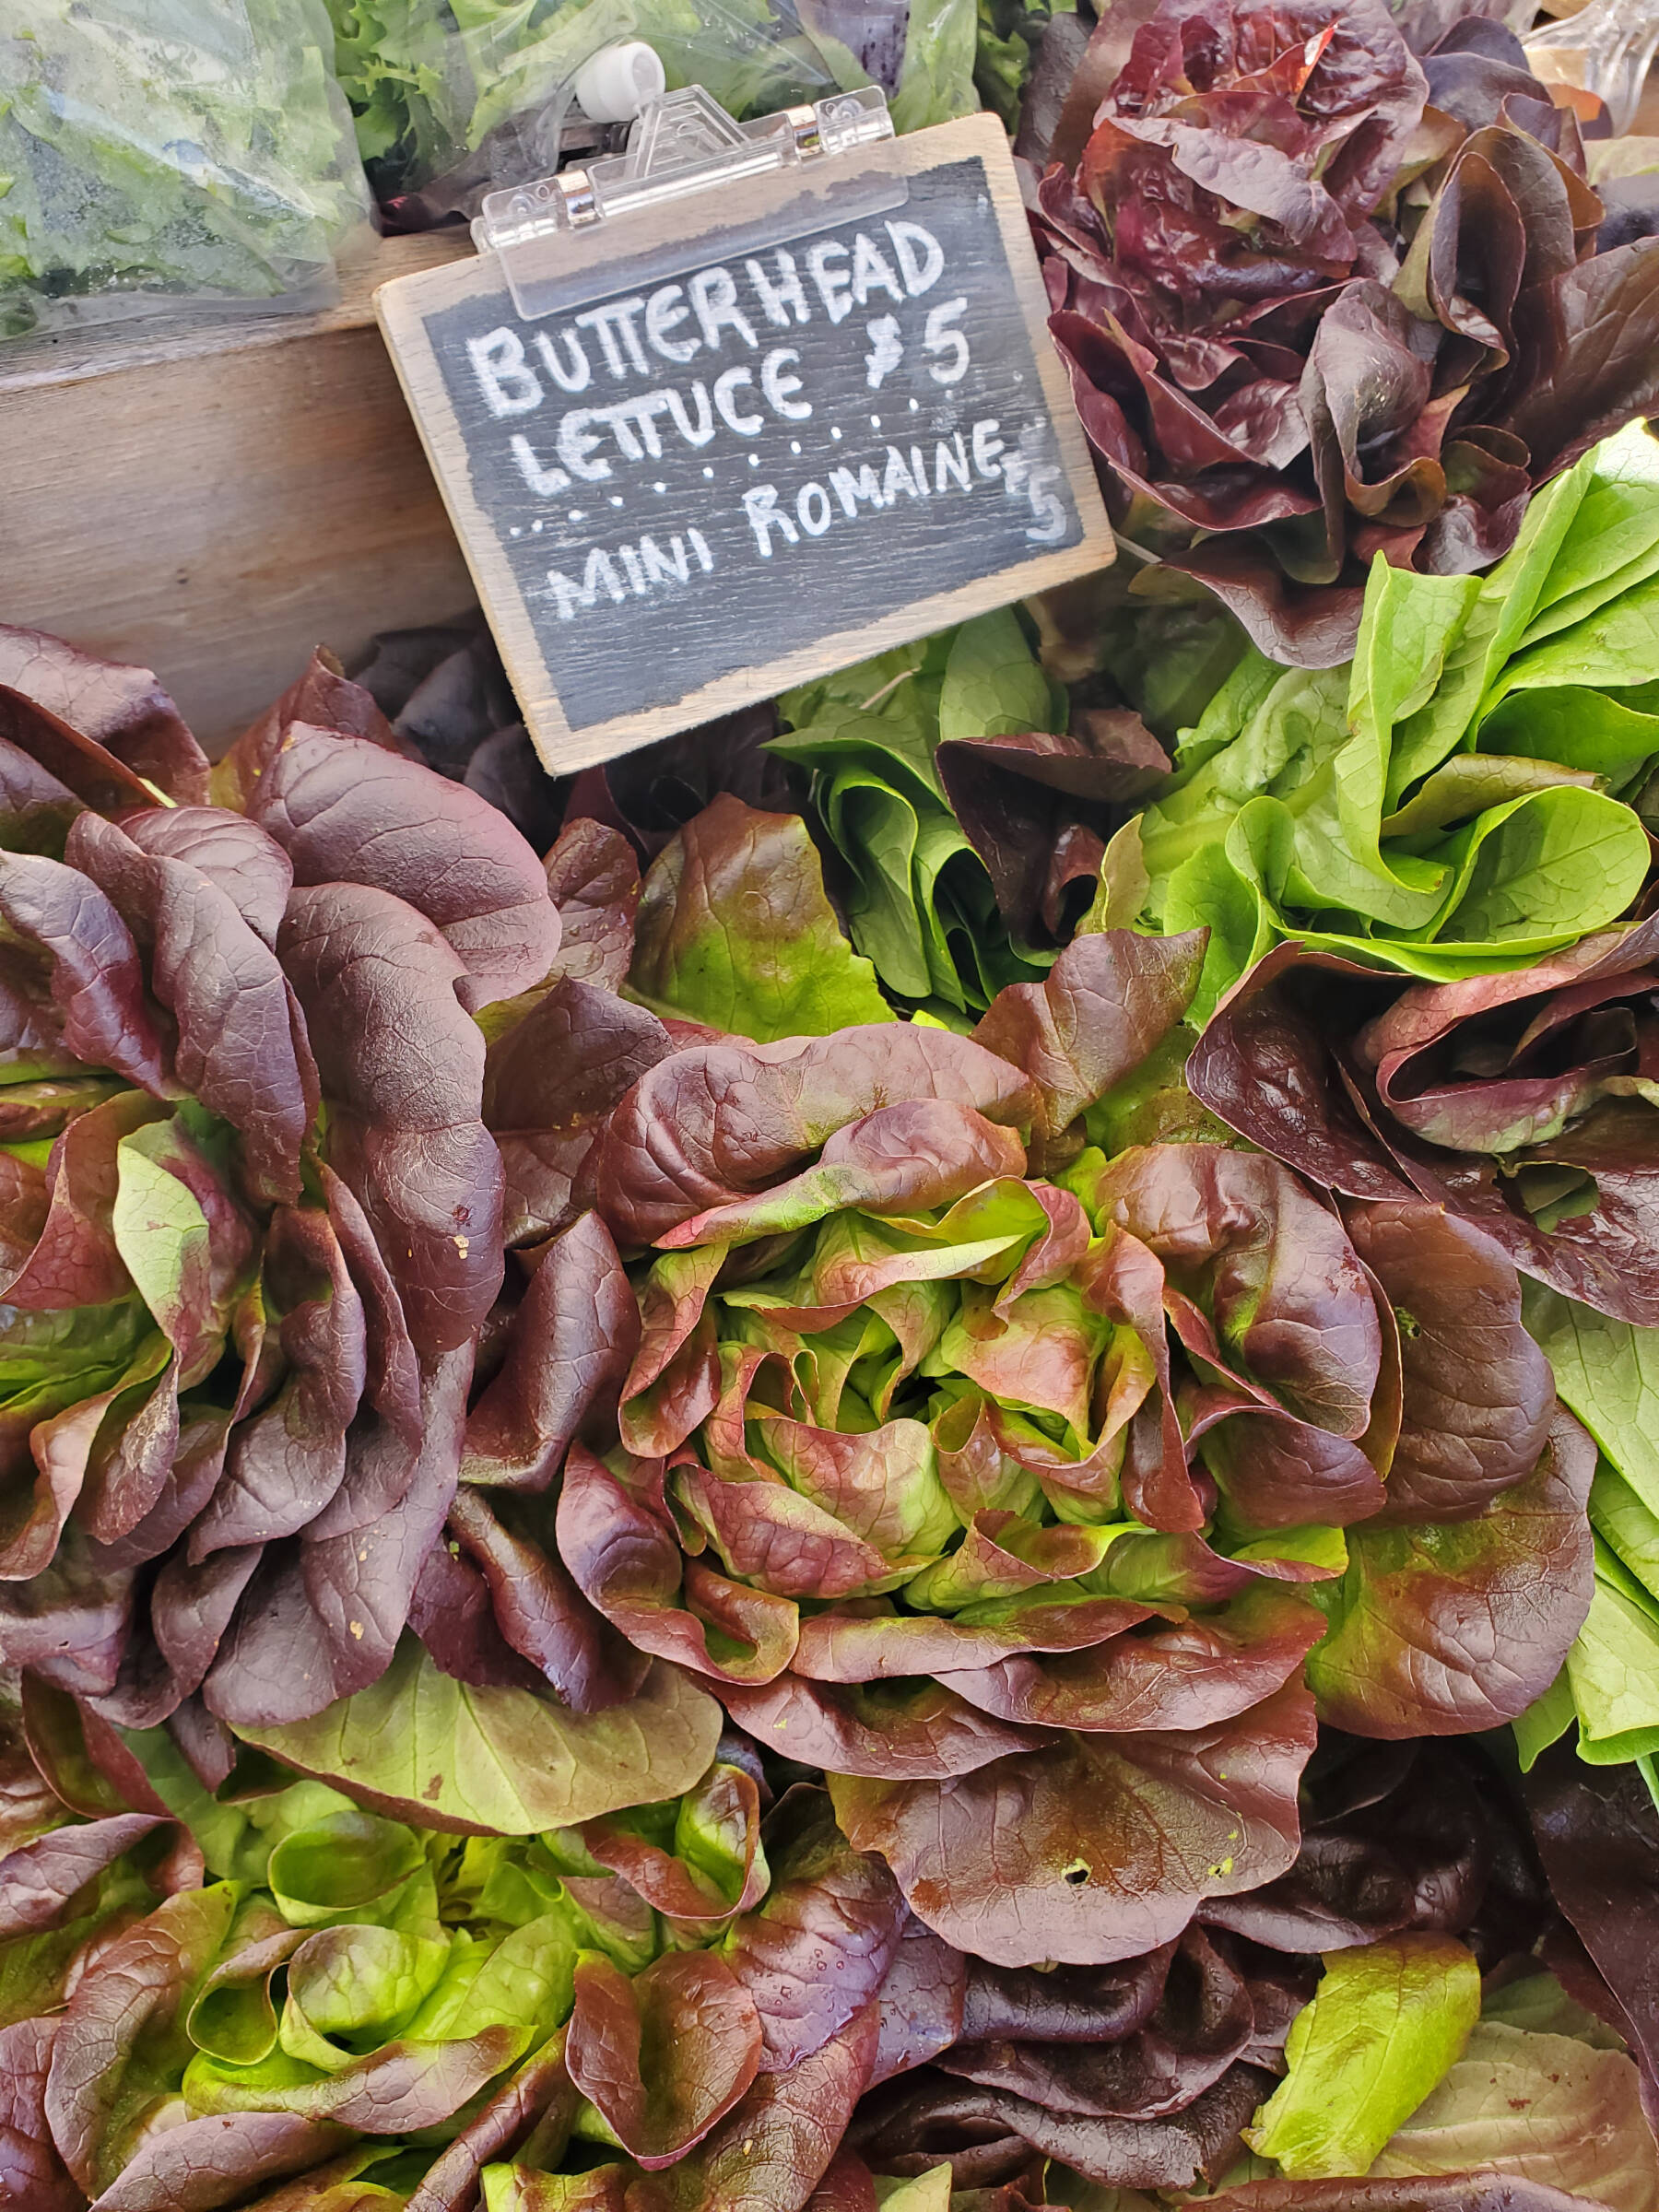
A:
{"x": 162, "y": 150}
{"x": 430, "y": 81}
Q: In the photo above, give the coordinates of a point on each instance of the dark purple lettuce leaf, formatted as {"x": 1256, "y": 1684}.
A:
{"x": 1598, "y": 1837}
{"x": 1585, "y": 353}
{"x": 1398, "y": 1836}
{"x": 1098, "y": 1849}
{"x": 345, "y": 809}
{"x": 1063, "y": 2004}
{"x": 988, "y": 2135}
{"x": 1104, "y": 1004}
{"x": 1036, "y": 808}
{"x": 1441, "y": 1628}
{"x": 819, "y": 1946}
{"x": 451, "y": 1609}
{"x": 569, "y": 1344}
{"x": 539, "y": 1610}
{"x": 650, "y": 793}
{"x": 321, "y": 1614}
{"x": 70, "y": 1622}
{"x": 665, "y": 2055}
{"x": 402, "y": 1068}
{"x": 119, "y": 707}
{"x": 549, "y": 1082}
{"x": 710, "y": 1125}
{"x": 1203, "y": 2020}
{"x": 239, "y": 1045}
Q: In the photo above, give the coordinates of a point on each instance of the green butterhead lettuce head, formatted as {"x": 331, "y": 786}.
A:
{"x": 1449, "y": 803}
{"x": 968, "y": 806}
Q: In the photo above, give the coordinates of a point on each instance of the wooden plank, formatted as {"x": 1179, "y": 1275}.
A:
{"x": 696, "y": 649}
{"x": 214, "y": 499}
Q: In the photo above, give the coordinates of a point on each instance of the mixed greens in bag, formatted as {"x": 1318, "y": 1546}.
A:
{"x": 188, "y": 149}
{"x": 430, "y": 81}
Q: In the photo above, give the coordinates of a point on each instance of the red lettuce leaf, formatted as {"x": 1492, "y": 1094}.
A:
{"x": 91, "y": 968}
{"x": 402, "y": 1068}
{"x": 1103, "y": 1007}
{"x": 1098, "y": 1849}
{"x": 345, "y": 809}
{"x": 665, "y": 2055}
{"x": 1190, "y": 1676}
{"x": 1441, "y": 1628}
{"x": 123, "y": 2023}
{"x": 540, "y": 1613}
{"x": 287, "y": 1460}
{"x": 32, "y": 2173}
{"x": 819, "y": 1946}
{"x": 922, "y": 2001}
{"x": 727, "y": 1803}
{"x": 1477, "y": 1393}
{"x": 593, "y": 880}
{"x": 119, "y": 707}
{"x": 239, "y": 1044}
{"x": 620, "y": 1542}
{"x": 709, "y": 1125}
{"x": 906, "y": 1731}
{"x": 775, "y": 2146}
{"x": 322, "y": 1616}
{"x": 571, "y": 1340}
{"x": 549, "y": 1081}
{"x": 251, "y": 868}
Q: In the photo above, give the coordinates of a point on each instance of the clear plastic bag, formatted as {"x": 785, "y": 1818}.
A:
{"x": 155, "y": 152}
{"x": 441, "y": 86}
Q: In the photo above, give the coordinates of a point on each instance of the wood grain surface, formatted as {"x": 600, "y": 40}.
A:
{"x": 214, "y": 498}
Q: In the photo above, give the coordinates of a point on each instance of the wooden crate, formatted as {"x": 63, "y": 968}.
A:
{"x": 214, "y": 499}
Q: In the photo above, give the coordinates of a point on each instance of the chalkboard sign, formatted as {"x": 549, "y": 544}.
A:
{"x": 683, "y": 494}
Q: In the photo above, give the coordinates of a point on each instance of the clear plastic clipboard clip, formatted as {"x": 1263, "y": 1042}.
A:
{"x": 567, "y": 239}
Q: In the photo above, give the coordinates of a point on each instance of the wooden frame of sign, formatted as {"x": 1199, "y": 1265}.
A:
{"x": 679, "y": 497}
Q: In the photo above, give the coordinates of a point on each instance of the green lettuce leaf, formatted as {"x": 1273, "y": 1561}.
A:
{"x": 1386, "y": 2024}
